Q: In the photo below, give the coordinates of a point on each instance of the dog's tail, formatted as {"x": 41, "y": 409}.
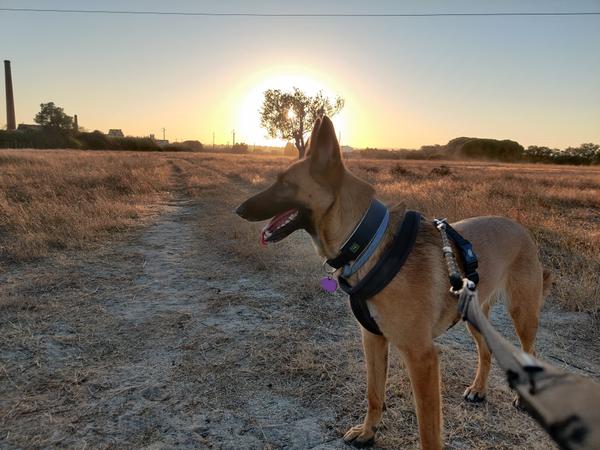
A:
{"x": 547, "y": 280}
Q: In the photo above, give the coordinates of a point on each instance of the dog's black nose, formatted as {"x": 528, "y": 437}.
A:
{"x": 241, "y": 210}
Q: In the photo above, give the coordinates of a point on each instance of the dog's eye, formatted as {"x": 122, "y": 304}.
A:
{"x": 282, "y": 181}
{"x": 289, "y": 185}
{"x": 285, "y": 184}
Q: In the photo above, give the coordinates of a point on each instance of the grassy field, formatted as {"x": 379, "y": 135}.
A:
{"x": 56, "y": 200}
{"x": 136, "y": 310}
{"x": 53, "y": 200}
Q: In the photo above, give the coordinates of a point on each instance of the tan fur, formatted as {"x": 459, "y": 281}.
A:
{"x": 417, "y": 306}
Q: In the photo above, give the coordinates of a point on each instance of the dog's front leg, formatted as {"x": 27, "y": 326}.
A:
{"x": 423, "y": 368}
{"x": 376, "y": 356}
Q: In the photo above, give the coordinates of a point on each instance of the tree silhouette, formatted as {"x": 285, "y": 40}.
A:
{"x": 52, "y": 116}
{"x": 290, "y": 115}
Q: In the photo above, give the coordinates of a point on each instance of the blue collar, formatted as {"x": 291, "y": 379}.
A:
{"x": 363, "y": 241}
{"x": 350, "y": 270}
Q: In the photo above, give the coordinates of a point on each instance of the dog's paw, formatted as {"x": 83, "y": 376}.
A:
{"x": 360, "y": 436}
{"x": 473, "y": 395}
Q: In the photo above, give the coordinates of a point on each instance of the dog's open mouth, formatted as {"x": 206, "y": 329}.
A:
{"x": 281, "y": 226}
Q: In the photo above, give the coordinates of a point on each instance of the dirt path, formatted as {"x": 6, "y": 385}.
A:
{"x": 169, "y": 338}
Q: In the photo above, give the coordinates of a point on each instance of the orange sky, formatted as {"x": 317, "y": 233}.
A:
{"x": 406, "y": 82}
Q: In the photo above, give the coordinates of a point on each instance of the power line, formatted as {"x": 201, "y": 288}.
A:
{"x": 253, "y": 14}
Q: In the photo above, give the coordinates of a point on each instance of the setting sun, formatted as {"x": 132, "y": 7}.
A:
{"x": 251, "y": 92}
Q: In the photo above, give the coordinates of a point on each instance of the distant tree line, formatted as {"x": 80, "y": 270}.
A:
{"x": 56, "y": 129}
{"x": 585, "y": 154}
{"x": 46, "y": 138}
{"x": 489, "y": 150}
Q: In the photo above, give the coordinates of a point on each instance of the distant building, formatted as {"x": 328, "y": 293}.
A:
{"x": 159, "y": 142}
{"x": 29, "y": 127}
{"x": 347, "y": 149}
{"x": 115, "y": 132}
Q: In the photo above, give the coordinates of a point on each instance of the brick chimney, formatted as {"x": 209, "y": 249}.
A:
{"x": 75, "y": 123}
{"x": 11, "y": 123}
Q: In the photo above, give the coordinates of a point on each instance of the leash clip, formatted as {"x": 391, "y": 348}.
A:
{"x": 440, "y": 224}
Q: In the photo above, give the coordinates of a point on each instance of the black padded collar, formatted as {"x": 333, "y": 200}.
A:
{"x": 383, "y": 272}
{"x": 361, "y": 236}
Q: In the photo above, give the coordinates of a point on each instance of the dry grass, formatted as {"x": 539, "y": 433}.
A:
{"x": 170, "y": 308}
{"x": 559, "y": 204}
{"x": 66, "y": 199}
{"x": 56, "y": 200}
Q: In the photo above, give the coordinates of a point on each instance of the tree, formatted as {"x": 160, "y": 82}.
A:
{"x": 585, "y": 154}
{"x": 52, "y": 116}
{"x": 290, "y": 115}
{"x": 193, "y": 145}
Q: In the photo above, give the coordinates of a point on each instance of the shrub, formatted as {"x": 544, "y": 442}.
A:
{"x": 399, "y": 171}
{"x": 442, "y": 171}
{"x": 95, "y": 140}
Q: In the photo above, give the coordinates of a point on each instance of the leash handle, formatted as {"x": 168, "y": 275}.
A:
{"x": 564, "y": 404}
{"x": 456, "y": 280}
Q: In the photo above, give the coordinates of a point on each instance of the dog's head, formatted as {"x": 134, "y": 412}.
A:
{"x": 304, "y": 192}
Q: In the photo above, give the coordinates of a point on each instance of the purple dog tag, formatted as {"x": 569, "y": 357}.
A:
{"x": 329, "y": 284}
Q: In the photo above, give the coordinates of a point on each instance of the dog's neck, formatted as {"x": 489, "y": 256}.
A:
{"x": 351, "y": 202}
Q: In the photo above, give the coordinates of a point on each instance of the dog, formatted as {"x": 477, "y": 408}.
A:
{"x": 319, "y": 195}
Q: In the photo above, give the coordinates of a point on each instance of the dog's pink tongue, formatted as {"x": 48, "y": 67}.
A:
{"x": 272, "y": 223}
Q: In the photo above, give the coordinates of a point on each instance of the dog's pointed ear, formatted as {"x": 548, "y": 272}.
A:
{"x": 313, "y": 136}
{"x": 325, "y": 155}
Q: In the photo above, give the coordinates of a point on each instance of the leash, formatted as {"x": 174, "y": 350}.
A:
{"x": 453, "y": 273}
{"x": 567, "y": 406}
{"x": 469, "y": 258}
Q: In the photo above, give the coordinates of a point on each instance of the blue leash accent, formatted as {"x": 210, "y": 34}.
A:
{"x": 350, "y": 270}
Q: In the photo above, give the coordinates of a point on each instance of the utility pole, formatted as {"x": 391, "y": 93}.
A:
{"x": 340, "y": 137}
{"x": 233, "y": 140}
{"x": 163, "y": 130}
{"x": 213, "y": 141}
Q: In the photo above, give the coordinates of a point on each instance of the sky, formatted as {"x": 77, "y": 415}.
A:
{"x": 406, "y": 82}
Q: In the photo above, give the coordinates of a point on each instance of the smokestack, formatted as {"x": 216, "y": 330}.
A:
{"x": 11, "y": 123}
{"x": 75, "y": 123}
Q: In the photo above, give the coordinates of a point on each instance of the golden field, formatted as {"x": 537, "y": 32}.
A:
{"x": 137, "y": 310}
{"x": 55, "y": 200}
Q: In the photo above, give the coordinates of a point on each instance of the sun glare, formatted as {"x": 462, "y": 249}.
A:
{"x": 252, "y": 90}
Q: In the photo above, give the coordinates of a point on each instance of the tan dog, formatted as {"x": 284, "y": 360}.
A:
{"x": 318, "y": 194}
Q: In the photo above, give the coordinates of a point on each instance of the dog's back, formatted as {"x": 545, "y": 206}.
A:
{"x": 507, "y": 254}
